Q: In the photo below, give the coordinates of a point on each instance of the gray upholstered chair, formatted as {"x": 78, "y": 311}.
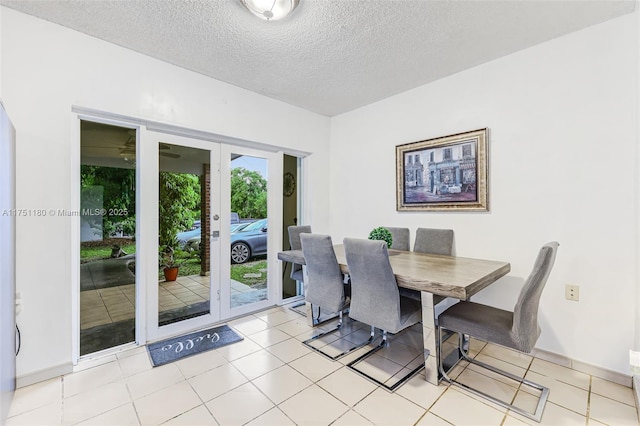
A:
{"x": 434, "y": 241}
{"x": 517, "y": 330}
{"x": 430, "y": 241}
{"x": 400, "y": 238}
{"x": 294, "y": 244}
{"x": 324, "y": 286}
{"x": 375, "y": 299}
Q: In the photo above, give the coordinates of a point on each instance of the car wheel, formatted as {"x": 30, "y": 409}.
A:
{"x": 240, "y": 253}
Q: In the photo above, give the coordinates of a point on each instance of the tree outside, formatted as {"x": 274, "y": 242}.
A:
{"x": 179, "y": 204}
{"x": 117, "y": 197}
{"x": 248, "y": 193}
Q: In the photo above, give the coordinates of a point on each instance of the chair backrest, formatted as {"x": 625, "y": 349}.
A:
{"x": 375, "y": 299}
{"x": 294, "y": 243}
{"x": 526, "y": 329}
{"x": 434, "y": 241}
{"x": 324, "y": 285}
{"x": 294, "y": 235}
{"x": 400, "y": 238}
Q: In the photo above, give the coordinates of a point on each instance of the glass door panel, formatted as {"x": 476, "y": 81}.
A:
{"x": 249, "y": 226}
{"x": 107, "y": 236}
{"x": 184, "y": 228}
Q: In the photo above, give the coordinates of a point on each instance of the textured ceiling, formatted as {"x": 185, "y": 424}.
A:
{"x": 329, "y": 56}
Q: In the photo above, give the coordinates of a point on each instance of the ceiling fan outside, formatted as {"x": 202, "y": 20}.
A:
{"x": 128, "y": 150}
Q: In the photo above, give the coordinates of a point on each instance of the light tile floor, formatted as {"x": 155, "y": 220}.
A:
{"x": 270, "y": 378}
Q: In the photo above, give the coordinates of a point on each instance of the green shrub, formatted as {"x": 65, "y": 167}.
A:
{"x": 382, "y": 233}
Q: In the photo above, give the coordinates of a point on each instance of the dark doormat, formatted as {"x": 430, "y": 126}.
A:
{"x": 183, "y": 313}
{"x": 183, "y": 346}
{"x": 107, "y": 336}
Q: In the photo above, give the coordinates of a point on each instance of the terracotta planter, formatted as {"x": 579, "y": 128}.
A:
{"x": 171, "y": 274}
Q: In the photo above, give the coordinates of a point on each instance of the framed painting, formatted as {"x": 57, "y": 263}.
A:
{"x": 448, "y": 173}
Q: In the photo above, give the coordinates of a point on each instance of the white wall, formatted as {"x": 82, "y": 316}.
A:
{"x": 45, "y": 70}
{"x": 562, "y": 117}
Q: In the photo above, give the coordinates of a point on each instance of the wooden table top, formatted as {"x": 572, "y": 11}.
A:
{"x": 449, "y": 276}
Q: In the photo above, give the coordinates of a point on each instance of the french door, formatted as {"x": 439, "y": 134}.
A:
{"x": 180, "y": 230}
{"x": 211, "y": 209}
{"x": 205, "y": 213}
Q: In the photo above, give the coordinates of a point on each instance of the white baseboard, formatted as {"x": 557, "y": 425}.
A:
{"x": 593, "y": 370}
{"x": 42, "y": 375}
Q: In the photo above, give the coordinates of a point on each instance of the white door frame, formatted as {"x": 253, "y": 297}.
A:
{"x": 150, "y": 143}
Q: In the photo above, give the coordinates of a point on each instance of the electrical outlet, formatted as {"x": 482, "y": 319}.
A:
{"x": 572, "y": 292}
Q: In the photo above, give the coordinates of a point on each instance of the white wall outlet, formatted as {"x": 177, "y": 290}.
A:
{"x": 572, "y": 292}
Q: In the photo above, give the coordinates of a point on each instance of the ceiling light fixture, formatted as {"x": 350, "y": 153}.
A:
{"x": 270, "y": 10}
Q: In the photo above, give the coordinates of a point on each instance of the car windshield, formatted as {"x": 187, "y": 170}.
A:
{"x": 239, "y": 226}
{"x": 255, "y": 226}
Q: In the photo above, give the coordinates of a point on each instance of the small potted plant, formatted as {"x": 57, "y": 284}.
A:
{"x": 382, "y": 233}
{"x": 168, "y": 263}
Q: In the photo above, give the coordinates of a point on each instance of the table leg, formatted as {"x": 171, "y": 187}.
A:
{"x": 429, "y": 337}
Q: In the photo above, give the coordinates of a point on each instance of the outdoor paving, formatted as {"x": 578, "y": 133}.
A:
{"x": 108, "y": 298}
{"x": 106, "y": 273}
{"x": 114, "y": 304}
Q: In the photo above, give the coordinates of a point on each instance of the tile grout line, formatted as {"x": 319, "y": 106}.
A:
{"x": 588, "y": 412}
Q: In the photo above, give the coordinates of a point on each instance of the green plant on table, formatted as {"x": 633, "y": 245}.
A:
{"x": 382, "y": 233}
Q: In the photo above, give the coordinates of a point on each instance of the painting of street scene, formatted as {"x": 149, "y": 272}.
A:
{"x": 440, "y": 174}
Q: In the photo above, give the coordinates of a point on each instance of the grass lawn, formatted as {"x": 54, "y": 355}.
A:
{"x": 191, "y": 266}
{"x": 257, "y": 267}
{"x": 88, "y": 254}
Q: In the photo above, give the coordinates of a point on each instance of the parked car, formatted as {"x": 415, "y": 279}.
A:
{"x": 237, "y": 227}
{"x": 185, "y": 236}
{"x": 249, "y": 242}
{"x": 190, "y": 240}
{"x": 193, "y": 243}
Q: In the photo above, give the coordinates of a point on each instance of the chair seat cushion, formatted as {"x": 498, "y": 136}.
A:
{"x": 481, "y": 321}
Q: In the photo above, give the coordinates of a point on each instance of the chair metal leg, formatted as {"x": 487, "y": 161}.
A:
{"x": 307, "y": 342}
{"x": 383, "y": 343}
{"x": 316, "y": 320}
{"x": 537, "y": 415}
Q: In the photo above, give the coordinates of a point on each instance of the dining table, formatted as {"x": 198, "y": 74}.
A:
{"x": 437, "y": 278}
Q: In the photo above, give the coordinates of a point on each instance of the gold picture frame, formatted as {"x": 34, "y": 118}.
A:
{"x": 448, "y": 173}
